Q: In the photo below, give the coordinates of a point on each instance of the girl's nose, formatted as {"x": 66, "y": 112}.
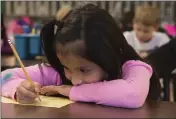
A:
{"x": 76, "y": 82}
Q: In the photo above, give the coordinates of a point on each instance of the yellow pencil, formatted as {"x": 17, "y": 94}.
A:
{"x": 22, "y": 66}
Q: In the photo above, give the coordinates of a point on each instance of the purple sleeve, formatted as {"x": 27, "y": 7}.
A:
{"x": 44, "y": 75}
{"x": 129, "y": 92}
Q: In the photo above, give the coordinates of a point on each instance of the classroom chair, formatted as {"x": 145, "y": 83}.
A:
{"x": 163, "y": 61}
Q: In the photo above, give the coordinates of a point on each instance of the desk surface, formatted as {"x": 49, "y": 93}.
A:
{"x": 82, "y": 110}
{"x": 29, "y": 62}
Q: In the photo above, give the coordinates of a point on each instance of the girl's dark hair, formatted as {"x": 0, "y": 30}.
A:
{"x": 104, "y": 43}
{"x": 127, "y": 21}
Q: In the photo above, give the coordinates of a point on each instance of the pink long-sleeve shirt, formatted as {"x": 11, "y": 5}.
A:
{"x": 129, "y": 92}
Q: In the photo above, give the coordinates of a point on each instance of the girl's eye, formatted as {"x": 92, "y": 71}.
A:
{"x": 84, "y": 70}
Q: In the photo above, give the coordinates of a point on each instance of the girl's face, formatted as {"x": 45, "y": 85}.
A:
{"x": 81, "y": 71}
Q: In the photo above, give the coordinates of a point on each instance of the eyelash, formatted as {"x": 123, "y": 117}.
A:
{"x": 81, "y": 70}
{"x": 84, "y": 70}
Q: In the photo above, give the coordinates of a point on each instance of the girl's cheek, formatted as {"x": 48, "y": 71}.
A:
{"x": 67, "y": 74}
{"x": 93, "y": 78}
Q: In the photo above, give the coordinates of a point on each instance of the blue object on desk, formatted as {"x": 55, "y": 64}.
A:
{"x": 35, "y": 46}
{"x": 21, "y": 46}
{"x": 26, "y": 29}
{"x": 28, "y": 45}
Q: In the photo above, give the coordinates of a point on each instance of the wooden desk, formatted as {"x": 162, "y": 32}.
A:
{"x": 29, "y": 62}
{"x": 81, "y": 110}
{"x": 25, "y": 62}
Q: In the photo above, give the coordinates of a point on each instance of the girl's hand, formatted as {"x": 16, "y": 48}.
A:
{"x": 52, "y": 90}
{"x": 26, "y": 93}
{"x": 49, "y": 90}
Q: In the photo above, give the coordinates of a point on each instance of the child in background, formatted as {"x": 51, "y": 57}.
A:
{"x": 5, "y": 48}
{"x": 144, "y": 38}
{"x": 89, "y": 60}
{"x": 7, "y": 57}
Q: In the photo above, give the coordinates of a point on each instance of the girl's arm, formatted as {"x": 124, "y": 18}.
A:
{"x": 42, "y": 74}
{"x": 129, "y": 92}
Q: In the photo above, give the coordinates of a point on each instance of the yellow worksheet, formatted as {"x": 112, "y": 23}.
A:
{"x": 46, "y": 101}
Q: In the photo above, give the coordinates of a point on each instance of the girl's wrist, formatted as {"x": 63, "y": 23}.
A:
{"x": 64, "y": 90}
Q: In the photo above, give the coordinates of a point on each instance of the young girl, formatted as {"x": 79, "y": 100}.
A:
{"x": 89, "y": 60}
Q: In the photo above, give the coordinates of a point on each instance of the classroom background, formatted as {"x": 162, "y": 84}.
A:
{"x": 21, "y": 22}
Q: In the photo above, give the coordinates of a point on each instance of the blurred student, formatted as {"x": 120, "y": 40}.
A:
{"x": 145, "y": 36}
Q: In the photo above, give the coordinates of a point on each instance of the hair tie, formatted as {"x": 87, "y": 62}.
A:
{"x": 55, "y": 29}
{"x": 58, "y": 25}
{"x": 61, "y": 13}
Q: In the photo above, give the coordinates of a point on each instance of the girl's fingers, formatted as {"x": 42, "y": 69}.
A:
{"x": 27, "y": 85}
{"x": 37, "y": 87}
{"x": 30, "y": 87}
{"x": 51, "y": 93}
{"x": 24, "y": 100}
{"x": 49, "y": 90}
{"x": 26, "y": 93}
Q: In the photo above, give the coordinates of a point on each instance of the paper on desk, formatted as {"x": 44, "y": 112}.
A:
{"x": 46, "y": 101}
